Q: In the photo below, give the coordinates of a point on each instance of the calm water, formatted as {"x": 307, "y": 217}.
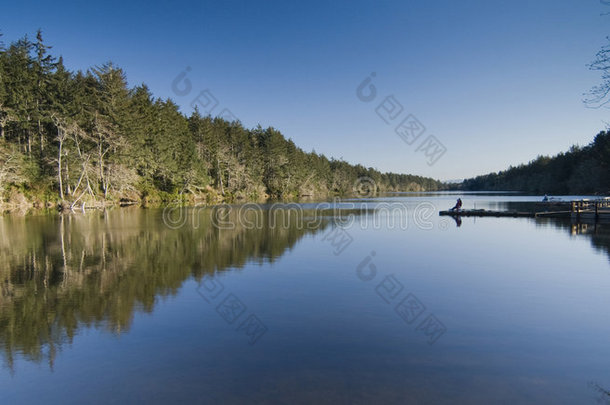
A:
{"x": 320, "y": 306}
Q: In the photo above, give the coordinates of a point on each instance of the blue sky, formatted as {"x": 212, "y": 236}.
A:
{"x": 497, "y": 83}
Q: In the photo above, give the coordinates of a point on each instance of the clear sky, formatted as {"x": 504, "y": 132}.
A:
{"x": 496, "y": 82}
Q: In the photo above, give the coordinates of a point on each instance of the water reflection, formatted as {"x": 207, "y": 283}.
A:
{"x": 62, "y": 273}
{"x": 603, "y": 394}
{"x": 597, "y": 231}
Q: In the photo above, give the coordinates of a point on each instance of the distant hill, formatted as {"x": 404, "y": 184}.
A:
{"x": 454, "y": 181}
{"x": 580, "y": 170}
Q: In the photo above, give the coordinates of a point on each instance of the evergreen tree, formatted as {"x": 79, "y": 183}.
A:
{"x": 88, "y": 137}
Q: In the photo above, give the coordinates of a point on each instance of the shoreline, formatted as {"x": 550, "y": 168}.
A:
{"x": 17, "y": 200}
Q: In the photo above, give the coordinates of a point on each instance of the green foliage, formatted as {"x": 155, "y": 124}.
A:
{"x": 578, "y": 171}
{"x": 88, "y": 137}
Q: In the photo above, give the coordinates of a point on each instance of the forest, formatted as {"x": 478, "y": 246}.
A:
{"x": 581, "y": 170}
{"x": 69, "y": 138}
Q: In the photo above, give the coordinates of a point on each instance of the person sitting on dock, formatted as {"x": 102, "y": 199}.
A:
{"x": 546, "y": 198}
{"x": 458, "y": 205}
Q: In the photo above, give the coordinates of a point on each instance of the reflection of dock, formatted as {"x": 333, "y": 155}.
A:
{"x": 592, "y": 210}
{"x": 583, "y": 228}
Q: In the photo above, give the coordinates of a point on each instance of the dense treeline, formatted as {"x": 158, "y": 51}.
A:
{"x": 578, "y": 171}
{"x": 86, "y": 136}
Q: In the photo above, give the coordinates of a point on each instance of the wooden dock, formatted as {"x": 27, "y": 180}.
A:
{"x": 576, "y": 210}
{"x": 590, "y": 209}
{"x": 486, "y": 213}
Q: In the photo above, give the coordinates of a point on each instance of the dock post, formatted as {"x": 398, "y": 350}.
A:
{"x": 596, "y": 210}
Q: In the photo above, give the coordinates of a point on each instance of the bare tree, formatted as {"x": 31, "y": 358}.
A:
{"x": 598, "y": 95}
{"x": 120, "y": 179}
{"x": 62, "y": 136}
{"x": 11, "y": 162}
{"x": 106, "y": 139}
{"x": 70, "y": 138}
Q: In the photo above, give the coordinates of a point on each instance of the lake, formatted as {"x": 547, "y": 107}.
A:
{"x": 360, "y": 301}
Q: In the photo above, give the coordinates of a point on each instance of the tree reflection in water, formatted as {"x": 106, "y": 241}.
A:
{"x": 62, "y": 273}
